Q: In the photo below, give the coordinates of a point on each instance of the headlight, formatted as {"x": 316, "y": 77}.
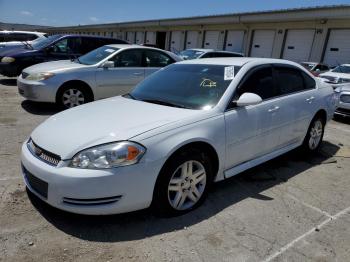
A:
{"x": 343, "y": 80}
{"x": 39, "y": 76}
{"x": 7, "y": 59}
{"x": 108, "y": 156}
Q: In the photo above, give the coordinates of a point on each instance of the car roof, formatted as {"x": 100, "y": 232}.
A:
{"x": 201, "y": 49}
{"x": 236, "y": 61}
{"x": 125, "y": 46}
{"x": 22, "y": 32}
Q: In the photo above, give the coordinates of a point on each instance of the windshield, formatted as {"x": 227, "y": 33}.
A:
{"x": 190, "y": 54}
{"x": 342, "y": 69}
{"x": 308, "y": 66}
{"x": 42, "y": 42}
{"x": 187, "y": 86}
{"x": 97, "y": 55}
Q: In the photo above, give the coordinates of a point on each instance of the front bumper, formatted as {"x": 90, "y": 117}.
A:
{"x": 36, "y": 90}
{"x": 9, "y": 69}
{"x": 93, "y": 192}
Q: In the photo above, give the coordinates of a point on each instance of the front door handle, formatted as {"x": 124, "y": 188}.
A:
{"x": 137, "y": 73}
{"x": 310, "y": 99}
{"x": 274, "y": 109}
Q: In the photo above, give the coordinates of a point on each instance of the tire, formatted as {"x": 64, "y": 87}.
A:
{"x": 72, "y": 96}
{"x": 177, "y": 192}
{"x": 314, "y": 136}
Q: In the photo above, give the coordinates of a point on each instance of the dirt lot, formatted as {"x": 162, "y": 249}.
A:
{"x": 290, "y": 209}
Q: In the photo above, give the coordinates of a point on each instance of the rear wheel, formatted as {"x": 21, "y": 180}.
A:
{"x": 183, "y": 183}
{"x": 71, "y": 96}
{"x": 314, "y": 136}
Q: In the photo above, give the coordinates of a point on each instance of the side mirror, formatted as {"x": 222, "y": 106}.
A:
{"x": 49, "y": 49}
{"x": 247, "y": 99}
{"x": 108, "y": 64}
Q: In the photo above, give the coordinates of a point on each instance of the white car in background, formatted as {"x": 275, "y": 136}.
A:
{"x": 181, "y": 129}
{"x": 18, "y": 38}
{"x": 198, "y": 53}
{"x": 339, "y": 76}
{"x": 343, "y": 106}
{"x": 104, "y": 72}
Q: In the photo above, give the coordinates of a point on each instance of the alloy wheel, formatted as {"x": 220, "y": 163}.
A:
{"x": 187, "y": 185}
{"x": 315, "y": 134}
{"x": 72, "y": 97}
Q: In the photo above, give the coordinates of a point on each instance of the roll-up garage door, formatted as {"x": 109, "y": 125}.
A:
{"x": 151, "y": 38}
{"x": 140, "y": 38}
{"x": 262, "y": 43}
{"x": 211, "y": 39}
{"x": 338, "y": 47}
{"x": 234, "y": 41}
{"x": 175, "y": 43}
{"x": 192, "y": 39}
{"x": 298, "y": 45}
{"x": 130, "y": 37}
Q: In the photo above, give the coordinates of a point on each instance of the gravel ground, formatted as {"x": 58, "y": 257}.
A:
{"x": 290, "y": 209}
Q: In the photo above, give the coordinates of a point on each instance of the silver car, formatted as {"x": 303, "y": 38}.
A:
{"x": 104, "y": 72}
{"x": 343, "y": 106}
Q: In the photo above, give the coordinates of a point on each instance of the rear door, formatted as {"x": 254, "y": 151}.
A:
{"x": 297, "y": 103}
{"x": 127, "y": 72}
{"x": 155, "y": 60}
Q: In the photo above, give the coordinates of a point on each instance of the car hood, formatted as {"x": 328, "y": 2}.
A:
{"x": 54, "y": 67}
{"x": 104, "y": 121}
{"x": 16, "y": 51}
{"x": 335, "y": 75}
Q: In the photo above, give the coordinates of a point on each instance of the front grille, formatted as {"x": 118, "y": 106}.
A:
{"x": 345, "y": 98}
{"x": 42, "y": 154}
{"x": 91, "y": 201}
{"x": 24, "y": 75}
{"x": 343, "y": 111}
{"x": 38, "y": 185}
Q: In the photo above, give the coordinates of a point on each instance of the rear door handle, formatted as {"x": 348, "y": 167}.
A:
{"x": 137, "y": 73}
{"x": 273, "y": 109}
{"x": 309, "y": 99}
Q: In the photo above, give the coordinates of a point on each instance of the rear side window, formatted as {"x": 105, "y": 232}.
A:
{"x": 259, "y": 82}
{"x": 156, "y": 59}
{"x": 292, "y": 80}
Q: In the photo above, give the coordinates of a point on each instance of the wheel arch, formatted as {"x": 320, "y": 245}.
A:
{"x": 75, "y": 83}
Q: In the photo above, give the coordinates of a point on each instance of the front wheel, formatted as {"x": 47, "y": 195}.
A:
{"x": 314, "y": 136}
{"x": 72, "y": 96}
{"x": 183, "y": 183}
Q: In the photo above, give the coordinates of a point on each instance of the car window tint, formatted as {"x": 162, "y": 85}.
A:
{"x": 156, "y": 59}
{"x": 207, "y": 55}
{"x": 309, "y": 82}
{"x": 128, "y": 58}
{"x": 260, "y": 82}
{"x": 60, "y": 46}
{"x": 288, "y": 80}
{"x": 74, "y": 45}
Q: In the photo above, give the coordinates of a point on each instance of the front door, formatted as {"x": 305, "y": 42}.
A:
{"x": 127, "y": 72}
{"x": 251, "y": 131}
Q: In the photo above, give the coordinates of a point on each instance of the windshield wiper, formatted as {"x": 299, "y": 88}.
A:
{"x": 130, "y": 96}
{"x": 164, "y": 103}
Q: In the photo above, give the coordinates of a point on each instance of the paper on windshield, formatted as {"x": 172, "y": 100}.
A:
{"x": 229, "y": 73}
{"x": 109, "y": 50}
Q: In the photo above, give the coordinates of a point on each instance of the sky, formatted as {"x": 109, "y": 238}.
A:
{"x": 75, "y": 12}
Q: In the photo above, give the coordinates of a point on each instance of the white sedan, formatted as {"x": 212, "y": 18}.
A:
{"x": 104, "y": 72}
{"x": 181, "y": 129}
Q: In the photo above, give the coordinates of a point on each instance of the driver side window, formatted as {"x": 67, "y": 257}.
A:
{"x": 60, "y": 47}
{"x": 259, "y": 82}
{"x": 128, "y": 58}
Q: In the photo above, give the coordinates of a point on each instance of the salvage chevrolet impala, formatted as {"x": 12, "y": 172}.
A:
{"x": 186, "y": 126}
